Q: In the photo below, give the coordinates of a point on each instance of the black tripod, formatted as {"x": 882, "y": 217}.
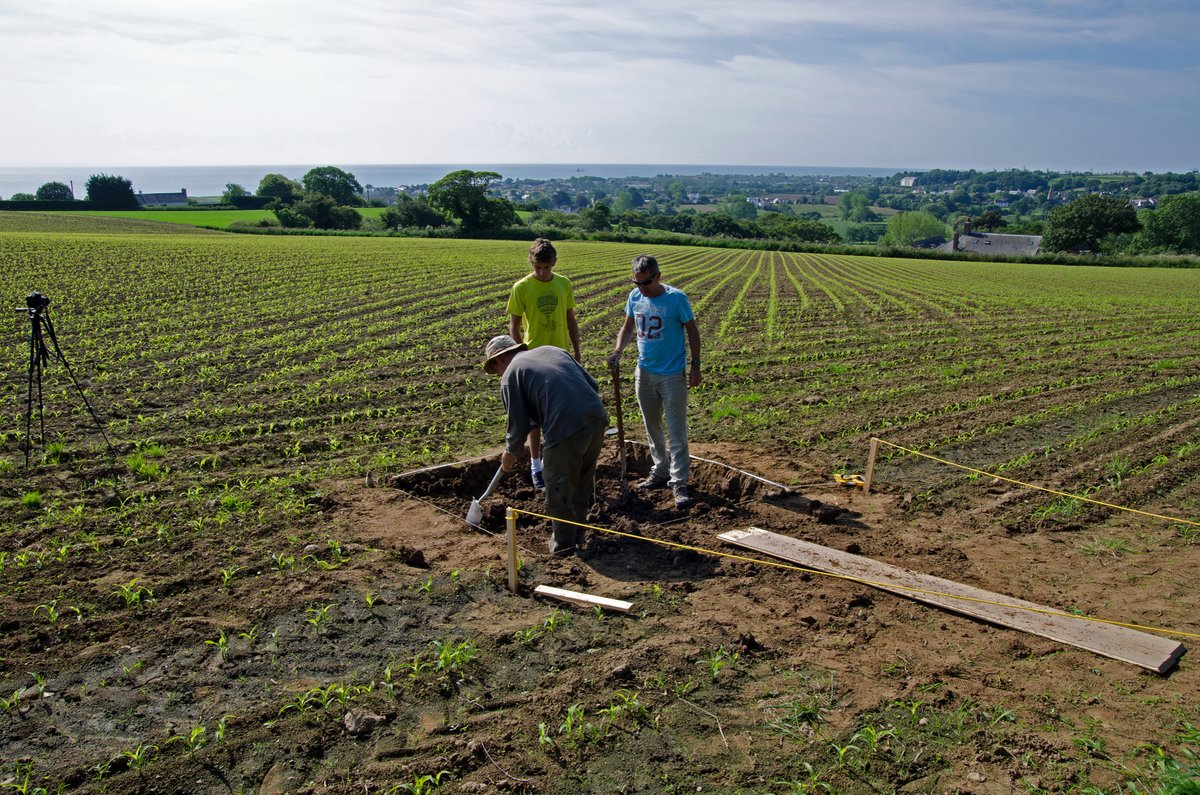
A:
{"x": 40, "y": 327}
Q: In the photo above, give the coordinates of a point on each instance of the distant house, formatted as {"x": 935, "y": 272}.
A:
{"x": 908, "y": 182}
{"x": 1141, "y": 204}
{"x": 992, "y": 243}
{"x": 163, "y": 199}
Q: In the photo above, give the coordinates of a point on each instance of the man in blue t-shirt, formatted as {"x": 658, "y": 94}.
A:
{"x": 662, "y": 316}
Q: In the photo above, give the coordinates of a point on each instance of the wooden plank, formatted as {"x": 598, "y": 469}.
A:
{"x": 1148, "y": 651}
{"x": 583, "y": 599}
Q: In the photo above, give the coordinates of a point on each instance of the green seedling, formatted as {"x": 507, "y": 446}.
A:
{"x": 140, "y": 756}
{"x": 421, "y": 784}
{"x": 319, "y": 616}
{"x": 194, "y": 741}
{"x": 683, "y": 688}
{"x": 53, "y": 614}
{"x": 556, "y": 619}
{"x": 283, "y": 563}
{"x": 222, "y": 728}
{"x": 415, "y": 666}
{"x": 228, "y": 573}
{"x": 370, "y": 599}
{"x": 872, "y": 736}
{"x": 12, "y": 703}
{"x": 335, "y": 550}
{"x": 718, "y": 659}
{"x": 573, "y": 724}
{"x": 32, "y": 499}
{"x": 453, "y": 657}
{"x": 221, "y": 644}
{"x": 135, "y": 595}
{"x": 250, "y": 636}
{"x": 841, "y": 752}
{"x": 23, "y": 785}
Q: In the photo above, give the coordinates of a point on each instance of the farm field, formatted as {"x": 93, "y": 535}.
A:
{"x": 223, "y": 603}
{"x": 197, "y": 217}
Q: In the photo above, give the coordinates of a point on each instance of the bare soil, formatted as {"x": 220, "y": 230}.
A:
{"x": 726, "y": 676}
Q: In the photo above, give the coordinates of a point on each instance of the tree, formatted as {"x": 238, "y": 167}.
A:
{"x": 55, "y": 191}
{"x": 410, "y": 212}
{"x": 988, "y": 220}
{"x": 737, "y": 206}
{"x": 23, "y": 197}
{"x": 597, "y": 218}
{"x": 720, "y": 225}
{"x": 1087, "y": 221}
{"x": 233, "y": 191}
{"x": 322, "y": 211}
{"x": 783, "y": 227}
{"x": 904, "y": 229}
{"x": 331, "y": 181}
{"x": 280, "y": 188}
{"x": 463, "y": 194}
{"x": 855, "y": 206}
{"x": 110, "y": 192}
{"x": 289, "y": 218}
{"x": 1175, "y": 225}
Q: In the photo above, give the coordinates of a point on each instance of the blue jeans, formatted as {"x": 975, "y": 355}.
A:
{"x": 666, "y": 396}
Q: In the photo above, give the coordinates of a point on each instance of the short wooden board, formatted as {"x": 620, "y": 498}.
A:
{"x": 1143, "y": 649}
{"x": 584, "y": 599}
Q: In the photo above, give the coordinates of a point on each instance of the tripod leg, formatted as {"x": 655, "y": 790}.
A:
{"x": 58, "y": 352}
{"x": 41, "y": 359}
{"x": 33, "y": 361}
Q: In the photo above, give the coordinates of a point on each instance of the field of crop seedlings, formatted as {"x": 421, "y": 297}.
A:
{"x": 267, "y": 584}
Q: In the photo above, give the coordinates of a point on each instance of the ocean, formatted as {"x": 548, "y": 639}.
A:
{"x": 211, "y": 180}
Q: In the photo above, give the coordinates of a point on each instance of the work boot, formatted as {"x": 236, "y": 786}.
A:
{"x": 682, "y": 498}
{"x": 652, "y": 482}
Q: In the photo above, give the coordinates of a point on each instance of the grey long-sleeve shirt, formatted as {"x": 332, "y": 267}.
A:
{"x": 548, "y": 387}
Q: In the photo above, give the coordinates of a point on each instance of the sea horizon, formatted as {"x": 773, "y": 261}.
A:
{"x": 201, "y": 181}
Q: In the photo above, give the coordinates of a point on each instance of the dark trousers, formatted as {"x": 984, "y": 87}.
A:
{"x": 570, "y": 471}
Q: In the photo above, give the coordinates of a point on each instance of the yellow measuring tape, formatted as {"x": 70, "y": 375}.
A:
{"x": 890, "y": 586}
{"x": 1039, "y": 488}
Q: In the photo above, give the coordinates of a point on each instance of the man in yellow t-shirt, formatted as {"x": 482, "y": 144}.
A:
{"x": 541, "y": 311}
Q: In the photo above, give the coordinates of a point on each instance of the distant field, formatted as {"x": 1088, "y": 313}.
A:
{"x": 219, "y": 219}
{"x": 89, "y": 223}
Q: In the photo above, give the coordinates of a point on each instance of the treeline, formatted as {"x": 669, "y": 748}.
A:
{"x": 765, "y": 226}
{"x": 1144, "y": 185}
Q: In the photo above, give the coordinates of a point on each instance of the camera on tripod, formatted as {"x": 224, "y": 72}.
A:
{"x": 36, "y": 302}
{"x": 41, "y": 329}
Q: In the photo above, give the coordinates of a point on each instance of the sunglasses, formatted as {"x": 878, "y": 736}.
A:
{"x": 644, "y": 282}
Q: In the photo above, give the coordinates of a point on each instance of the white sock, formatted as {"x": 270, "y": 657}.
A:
{"x": 535, "y": 465}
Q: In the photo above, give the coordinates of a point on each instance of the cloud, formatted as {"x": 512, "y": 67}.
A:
{"x": 795, "y": 81}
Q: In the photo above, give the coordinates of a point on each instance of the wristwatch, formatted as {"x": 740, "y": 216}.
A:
{"x": 695, "y": 362}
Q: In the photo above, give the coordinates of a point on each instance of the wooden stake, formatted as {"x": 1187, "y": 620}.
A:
{"x": 870, "y": 465}
{"x": 510, "y": 521}
{"x": 584, "y": 599}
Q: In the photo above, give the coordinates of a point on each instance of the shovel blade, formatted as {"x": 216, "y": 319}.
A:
{"x": 475, "y": 514}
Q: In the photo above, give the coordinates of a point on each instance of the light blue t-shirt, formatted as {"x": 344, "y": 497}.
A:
{"x": 660, "y": 333}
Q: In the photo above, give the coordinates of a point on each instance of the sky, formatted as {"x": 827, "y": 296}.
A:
{"x": 1081, "y": 85}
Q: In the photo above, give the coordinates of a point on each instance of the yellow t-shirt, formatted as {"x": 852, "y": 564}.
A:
{"x": 543, "y": 307}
